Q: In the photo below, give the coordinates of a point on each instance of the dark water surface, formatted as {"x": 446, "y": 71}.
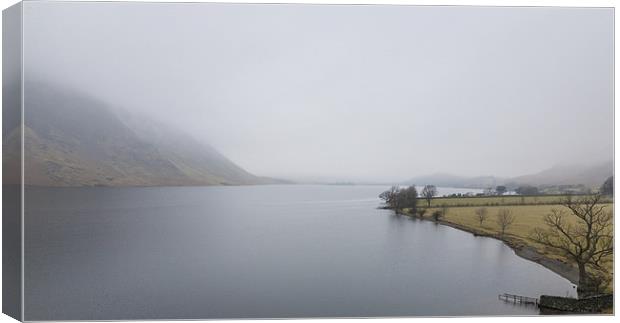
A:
{"x": 258, "y": 251}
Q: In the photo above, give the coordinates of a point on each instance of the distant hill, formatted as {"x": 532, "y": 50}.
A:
{"x": 72, "y": 139}
{"x": 592, "y": 175}
{"x": 449, "y": 180}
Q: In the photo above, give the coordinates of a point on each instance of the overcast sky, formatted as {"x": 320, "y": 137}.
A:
{"x": 365, "y": 93}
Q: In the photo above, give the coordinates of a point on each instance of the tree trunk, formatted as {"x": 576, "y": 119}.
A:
{"x": 585, "y": 287}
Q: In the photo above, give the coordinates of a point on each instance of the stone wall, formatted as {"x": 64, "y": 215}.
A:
{"x": 595, "y": 304}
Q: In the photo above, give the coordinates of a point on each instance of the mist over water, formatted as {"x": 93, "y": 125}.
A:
{"x": 346, "y": 93}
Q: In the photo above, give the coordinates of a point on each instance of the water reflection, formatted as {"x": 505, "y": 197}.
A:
{"x": 258, "y": 251}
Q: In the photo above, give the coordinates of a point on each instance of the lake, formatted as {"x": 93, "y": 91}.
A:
{"x": 258, "y": 251}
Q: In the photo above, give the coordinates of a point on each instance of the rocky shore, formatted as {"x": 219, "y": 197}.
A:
{"x": 520, "y": 248}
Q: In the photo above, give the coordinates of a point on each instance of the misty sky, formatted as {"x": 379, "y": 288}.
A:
{"x": 329, "y": 92}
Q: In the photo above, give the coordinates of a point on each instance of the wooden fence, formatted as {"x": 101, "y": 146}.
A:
{"x": 518, "y": 299}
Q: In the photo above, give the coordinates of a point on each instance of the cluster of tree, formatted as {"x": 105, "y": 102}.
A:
{"x": 606, "y": 189}
{"x": 498, "y": 190}
{"x": 527, "y": 190}
{"x": 576, "y": 189}
{"x": 399, "y": 198}
{"x": 583, "y": 231}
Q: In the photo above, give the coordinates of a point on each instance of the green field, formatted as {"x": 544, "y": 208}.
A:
{"x": 506, "y": 200}
{"x": 528, "y": 211}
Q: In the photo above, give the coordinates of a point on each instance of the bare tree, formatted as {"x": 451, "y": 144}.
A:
{"x": 390, "y": 197}
{"x": 505, "y": 219}
{"x": 437, "y": 214}
{"x": 428, "y": 192}
{"x": 482, "y": 214}
{"x": 583, "y": 232}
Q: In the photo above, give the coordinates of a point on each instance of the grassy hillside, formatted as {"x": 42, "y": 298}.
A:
{"x": 72, "y": 139}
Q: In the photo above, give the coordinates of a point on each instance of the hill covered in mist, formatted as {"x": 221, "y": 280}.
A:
{"x": 73, "y": 139}
{"x": 589, "y": 175}
{"x": 449, "y": 180}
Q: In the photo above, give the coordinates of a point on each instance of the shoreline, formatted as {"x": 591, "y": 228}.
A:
{"x": 520, "y": 248}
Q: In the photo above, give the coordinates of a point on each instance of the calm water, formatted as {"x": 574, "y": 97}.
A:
{"x": 258, "y": 251}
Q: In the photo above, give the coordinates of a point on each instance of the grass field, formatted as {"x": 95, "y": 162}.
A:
{"x": 497, "y": 200}
{"x": 529, "y": 213}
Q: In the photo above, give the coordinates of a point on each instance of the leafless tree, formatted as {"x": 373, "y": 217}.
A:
{"x": 428, "y": 192}
{"x": 437, "y": 214}
{"x": 390, "y": 197}
{"x": 583, "y": 232}
{"x": 482, "y": 214}
{"x": 505, "y": 219}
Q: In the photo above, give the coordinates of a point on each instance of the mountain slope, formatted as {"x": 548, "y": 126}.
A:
{"x": 196, "y": 159}
{"x": 72, "y": 139}
{"x": 592, "y": 175}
